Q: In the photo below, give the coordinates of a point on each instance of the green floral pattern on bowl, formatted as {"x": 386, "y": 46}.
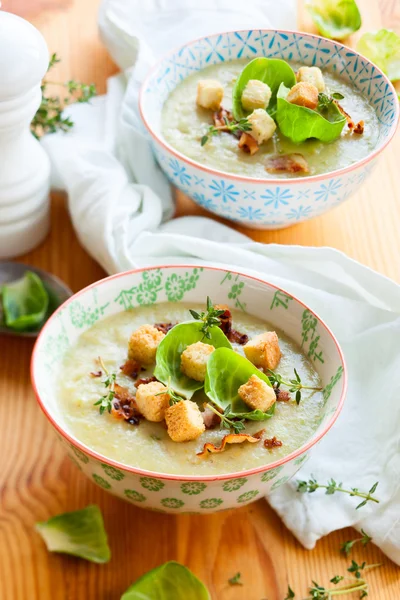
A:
{"x": 178, "y": 494}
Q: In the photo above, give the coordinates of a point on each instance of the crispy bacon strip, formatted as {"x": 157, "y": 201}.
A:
{"x": 145, "y": 380}
{"x": 287, "y": 163}
{"x": 164, "y": 327}
{"x": 131, "y": 368}
{"x": 226, "y": 326}
{"x": 230, "y": 438}
{"x": 96, "y": 373}
{"x": 359, "y": 128}
{"x": 221, "y": 116}
{"x": 272, "y": 443}
{"x": 248, "y": 144}
{"x": 124, "y": 405}
{"x": 281, "y": 395}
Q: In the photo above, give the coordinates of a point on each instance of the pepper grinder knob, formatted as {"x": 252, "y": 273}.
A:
{"x": 24, "y": 165}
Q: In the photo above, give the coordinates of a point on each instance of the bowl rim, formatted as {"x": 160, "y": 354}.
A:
{"x": 170, "y": 476}
{"x": 272, "y": 181}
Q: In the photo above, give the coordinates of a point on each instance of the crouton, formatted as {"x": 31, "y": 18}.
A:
{"x": 311, "y": 75}
{"x": 263, "y": 350}
{"x": 256, "y": 94}
{"x": 303, "y": 94}
{"x": 184, "y": 421}
{"x": 194, "y": 360}
{"x": 257, "y": 394}
{"x": 262, "y": 125}
{"x": 151, "y": 401}
{"x": 144, "y": 343}
{"x": 209, "y": 94}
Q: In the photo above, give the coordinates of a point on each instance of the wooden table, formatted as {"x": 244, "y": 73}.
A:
{"x": 38, "y": 481}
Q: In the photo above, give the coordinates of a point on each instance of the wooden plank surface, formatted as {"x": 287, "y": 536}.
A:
{"x": 37, "y": 480}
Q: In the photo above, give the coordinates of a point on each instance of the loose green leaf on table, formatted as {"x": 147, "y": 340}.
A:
{"x": 382, "y": 48}
{"x": 272, "y": 71}
{"x": 226, "y": 372}
{"x": 80, "y": 533}
{"x": 300, "y": 123}
{"x": 335, "y": 19}
{"x": 170, "y": 581}
{"x": 24, "y": 302}
{"x": 168, "y": 358}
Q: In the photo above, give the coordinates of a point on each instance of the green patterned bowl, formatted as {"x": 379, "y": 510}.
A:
{"x": 125, "y": 291}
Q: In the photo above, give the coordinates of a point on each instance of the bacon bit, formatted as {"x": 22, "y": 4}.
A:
{"x": 226, "y": 326}
{"x": 145, "y": 380}
{"x": 287, "y": 163}
{"x": 350, "y": 122}
{"x": 230, "y": 438}
{"x": 210, "y": 419}
{"x": 248, "y": 143}
{"x": 281, "y": 395}
{"x": 164, "y": 327}
{"x": 96, "y": 374}
{"x": 221, "y": 116}
{"x": 238, "y": 338}
{"x": 123, "y": 394}
{"x": 124, "y": 405}
{"x": 131, "y": 368}
{"x": 272, "y": 443}
{"x": 359, "y": 128}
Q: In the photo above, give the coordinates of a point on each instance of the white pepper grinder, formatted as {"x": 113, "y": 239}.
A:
{"x": 24, "y": 165}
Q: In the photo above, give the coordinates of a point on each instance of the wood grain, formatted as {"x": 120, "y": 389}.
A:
{"x": 36, "y": 479}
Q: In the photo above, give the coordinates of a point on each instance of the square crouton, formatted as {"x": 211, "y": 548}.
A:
{"x": 151, "y": 401}
{"x": 256, "y": 94}
{"x": 209, "y": 94}
{"x": 311, "y": 75}
{"x": 194, "y": 360}
{"x": 303, "y": 94}
{"x": 263, "y": 350}
{"x": 262, "y": 125}
{"x": 257, "y": 394}
{"x": 184, "y": 421}
{"x": 144, "y": 343}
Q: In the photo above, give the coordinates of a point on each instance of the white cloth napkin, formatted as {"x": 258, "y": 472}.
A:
{"x": 120, "y": 204}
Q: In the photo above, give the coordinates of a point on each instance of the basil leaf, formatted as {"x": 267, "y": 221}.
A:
{"x": 383, "y": 48}
{"x": 168, "y": 358}
{"x": 272, "y": 71}
{"x": 226, "y": 372}
{"x": 300, "y": 123}
{"x": 25, "y": 302}
{"x": 335, "y": 19}
{"x": 80, "y": 533}
{"x": 170, "y": 581}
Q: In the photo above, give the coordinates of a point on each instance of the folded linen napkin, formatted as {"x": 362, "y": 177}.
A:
{"x": 120, "y": 204}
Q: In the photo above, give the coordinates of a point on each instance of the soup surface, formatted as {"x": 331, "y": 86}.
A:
{"x": 184, "y": 124}
{"x": 147, "y": 445}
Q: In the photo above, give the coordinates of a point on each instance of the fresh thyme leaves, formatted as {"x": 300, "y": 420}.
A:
{"x": 324, "y": 100}
{"x": 209, "y": 318}
{"x": 174, "y": 398}
{"x": 241, "y": 125}
{"x": 235, "y": 580}
{"x": 332, "y": 486}
{"x": 290, "y": 594}
{"x": 337, "y": 579}
{"x": 227, "y": 423}
{"x": 105, "y": 402}
{"x": 347, "y": 546}
{"x": 294, "y": 385}
{"x": 49, "y": 117}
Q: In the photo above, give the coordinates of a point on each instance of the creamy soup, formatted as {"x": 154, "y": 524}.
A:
{"x": 184, "y": 124}
{"x": 147, "y": 445}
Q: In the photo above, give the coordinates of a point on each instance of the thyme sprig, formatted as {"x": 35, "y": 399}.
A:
{"x": 347, "y": 547}
{"x": 105, "y": 402}
{"x": 209, "y": 318}
{"x": 241, "y": 125}
{"x": 324, "y": 100}
{"x": 174, "y": 398}
{"x": 332, "y": 487}
{"x": 235, "y": 580}
{"x": 294, "y": 385}
{"x": 49, "y": 117}
{"x": 226, "y": 422}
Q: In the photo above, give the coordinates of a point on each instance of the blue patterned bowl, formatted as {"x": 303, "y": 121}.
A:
{"x": 190, "y": 283}
{"x": 265, "y": 203}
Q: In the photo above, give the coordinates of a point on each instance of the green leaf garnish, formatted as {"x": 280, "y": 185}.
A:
{"x": 168, "y": 358}
{"x": 208, "y": 318}
{"x": 335, "y": 19}
{"x": 300, "y": 123}
{"x": 105, "y": 402}
{"x": 80, "y": 533}
{"x": 170, "y": 581}
{"x": 383, "y": 49}
{"x": 295, "y": 385}
{"x": 235, "y": 580}
{"x": 347, "y": 547}
{"x": 272, "y": 71}
{"x": 331, "y": 487}
{"x": 25, "y": 303}
{"x": 231, "y": 127}
{"x": 226, "y": 372}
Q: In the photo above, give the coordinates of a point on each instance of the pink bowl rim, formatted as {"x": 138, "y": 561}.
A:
{"x": 241, "y": 178}
{"x": 172, "y": 477}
